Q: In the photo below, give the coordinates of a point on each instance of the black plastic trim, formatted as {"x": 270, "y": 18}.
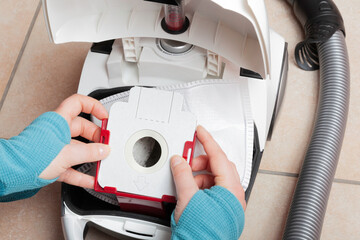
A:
{"x": 102, "y": 47}
{"x": 257, "y": 155}
{"x": 248, "y": 73}
{"x": 169, "y": 2}
{"x": 104, "y": 93}
{"x": 281, "y": 90}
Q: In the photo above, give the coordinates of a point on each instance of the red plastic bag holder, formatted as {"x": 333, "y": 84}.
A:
{"x": 139, "y": 203}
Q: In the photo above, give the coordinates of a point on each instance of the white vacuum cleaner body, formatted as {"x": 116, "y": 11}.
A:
{"x": 193, "y": 47}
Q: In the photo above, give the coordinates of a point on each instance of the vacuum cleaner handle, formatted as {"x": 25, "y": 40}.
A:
{"x": 122, "y": 228}
{"x": 75, "y": 228}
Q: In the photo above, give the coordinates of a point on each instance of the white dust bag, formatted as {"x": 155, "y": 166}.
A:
{"x": 223, "y": 108}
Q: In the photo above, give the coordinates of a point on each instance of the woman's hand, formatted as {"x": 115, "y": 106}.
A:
{"x": 78, "y": 152}
{"x": 223, "y": 172}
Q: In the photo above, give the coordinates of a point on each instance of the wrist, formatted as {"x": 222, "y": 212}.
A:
{"x": 216, "y": 212}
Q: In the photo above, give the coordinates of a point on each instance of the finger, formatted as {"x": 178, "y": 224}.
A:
{"x": 184, "y": 181}
{"x": 235, "y": 186}
{"x": 74, "y": 141}
{"x": 235, "y": 172}
{"x": 204, "y": 181}
{"x": 211, "y": 147}
{"x": 200, "y": 163}
{"x": 218, "y": 161}
{"x": 185, "y": 184}
{"x": 75, "y": 154}
{"x": 73, "y": 177}
{"x": 74, "y": 105}
{"x": 83, "y": 127}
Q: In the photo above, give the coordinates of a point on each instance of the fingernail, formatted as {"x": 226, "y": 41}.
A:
{"x": 104, "y": 150}
{"x": 176, "y": 160}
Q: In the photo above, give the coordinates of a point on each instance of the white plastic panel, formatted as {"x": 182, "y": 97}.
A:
{"x": 261, "y": 21}
{"x": 228, "y": 28}
{"x": 213, "y": 64}
{"x": 74, "y": 226}
{"x": 263, "y": 93}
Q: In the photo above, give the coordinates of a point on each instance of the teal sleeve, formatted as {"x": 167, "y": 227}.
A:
{"x": 24, "y": 157}
{"x": 211, "y": 214}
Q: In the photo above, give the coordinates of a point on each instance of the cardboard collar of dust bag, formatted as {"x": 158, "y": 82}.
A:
{"x": 144, "y": 133}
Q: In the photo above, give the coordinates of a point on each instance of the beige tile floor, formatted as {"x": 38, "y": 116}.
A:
{"x": 35, "y": 76}
{"x": 13, "y": 34}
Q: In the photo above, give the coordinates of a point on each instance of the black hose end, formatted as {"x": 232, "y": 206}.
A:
{"x": 169, "y": 2}
{"x": 291, "y": 2}
{"x": 321, "y": 19}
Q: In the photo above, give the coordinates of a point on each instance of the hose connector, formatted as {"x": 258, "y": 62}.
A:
{"x": 320, "y": 19}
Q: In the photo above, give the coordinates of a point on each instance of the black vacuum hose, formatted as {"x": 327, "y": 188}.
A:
{"x": 329, "y": 53}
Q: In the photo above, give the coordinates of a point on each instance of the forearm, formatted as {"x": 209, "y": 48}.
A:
{"x": 24, "y": 157}
{"x": 211, "y": 214}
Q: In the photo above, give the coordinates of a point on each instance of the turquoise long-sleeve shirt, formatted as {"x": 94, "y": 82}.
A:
{"x": 24, "y": 157}
{"x": 211, "y": 214}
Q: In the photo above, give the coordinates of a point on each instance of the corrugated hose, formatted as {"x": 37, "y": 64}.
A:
{"x": 308, "y": 207}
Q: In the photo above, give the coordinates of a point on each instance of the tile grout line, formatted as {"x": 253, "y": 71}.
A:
{"x": 13, "y": 72}
{"x": 345, "y": 181}
{"x": 277, "y": 173}
{"x": 294, "y": 175}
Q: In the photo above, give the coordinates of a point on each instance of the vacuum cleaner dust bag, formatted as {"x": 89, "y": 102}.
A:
{"x": 222, "y": 107}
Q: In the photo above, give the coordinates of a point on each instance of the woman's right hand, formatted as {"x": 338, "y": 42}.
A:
{"x": 223, "y": 173}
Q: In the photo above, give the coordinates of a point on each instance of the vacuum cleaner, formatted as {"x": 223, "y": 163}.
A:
{"x": 229, "y": 66}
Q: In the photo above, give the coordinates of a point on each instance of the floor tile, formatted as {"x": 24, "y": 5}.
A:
{"x": 33, "y": 218}
{"x": 46, "y": 75}
{"x": 15, "y": 19}
{"x": 342, "y": 215}
{"x": 269, "y": 203}
{"x": 267, "y": 208}
{"x": 292, "y": 132}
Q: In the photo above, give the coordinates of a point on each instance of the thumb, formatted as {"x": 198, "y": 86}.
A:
{"x": 185, "y": 184}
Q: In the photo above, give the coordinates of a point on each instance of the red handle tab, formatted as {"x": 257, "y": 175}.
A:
{"x": 189, "y": 146}
{"x": 105, "y": 134}
{"x": 104, "y": 138}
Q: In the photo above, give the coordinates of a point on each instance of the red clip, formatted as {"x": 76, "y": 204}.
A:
{"x": 104, "y": 138}
{"x": 105, "y": 134}
{"x": 112, "y": 190}
{"x": 189, "y": 146}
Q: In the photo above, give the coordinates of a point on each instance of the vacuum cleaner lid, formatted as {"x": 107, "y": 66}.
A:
{"x": 235, "y": 29}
